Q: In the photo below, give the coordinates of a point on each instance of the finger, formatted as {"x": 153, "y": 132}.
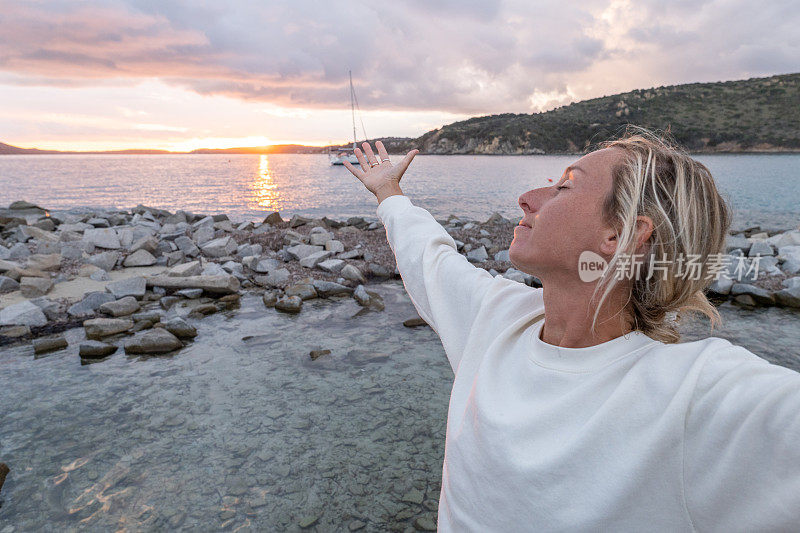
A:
{"x": 353, "y": 170}
{"x": 361, "y": 159}
{"x": 382, "y": 153}
{"x": 370, "y": 154}
{"x": 403, "y": 165}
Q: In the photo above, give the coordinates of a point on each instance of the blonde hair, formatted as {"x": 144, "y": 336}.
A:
{"x": 657, "y": 179}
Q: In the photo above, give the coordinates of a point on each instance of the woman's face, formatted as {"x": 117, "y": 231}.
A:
{"x": 565, "y": 219}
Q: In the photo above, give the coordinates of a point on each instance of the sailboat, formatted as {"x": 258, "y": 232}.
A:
{"x": 339, "y": 156}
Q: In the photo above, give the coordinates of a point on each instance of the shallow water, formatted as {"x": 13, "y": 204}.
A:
{"x": 241, "y": 430}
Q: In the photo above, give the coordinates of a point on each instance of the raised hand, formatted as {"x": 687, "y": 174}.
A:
{"x": 377, "y": 173}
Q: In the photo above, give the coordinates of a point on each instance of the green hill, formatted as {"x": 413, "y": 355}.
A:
{"x": 758, "y": 114}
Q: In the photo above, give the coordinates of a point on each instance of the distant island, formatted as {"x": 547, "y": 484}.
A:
{"x": 753, "y": 115}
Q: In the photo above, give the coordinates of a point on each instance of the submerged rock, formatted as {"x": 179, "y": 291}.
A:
{"x": 154, "y": 341}
{"x": 49, "y": 344}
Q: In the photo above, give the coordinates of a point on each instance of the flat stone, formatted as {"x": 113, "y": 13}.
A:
{"x": 95, "y": 349}
{"x": 264, "y": 265}
{"x": 180, "y": 328}
{"x": 761, "y": 296}
{"x": 122, "y": 307}
{"x": 45, "y": 262}
{"x": 153, "y": 341}
{"x": 319, "y": 238}
{"x": 8, "y": 285}
{"x": 90, "y": 303}
{"x": 134, "y": 286}
{"x": 102, "y": 238}
{"x": 301, "y": 251}
{"x": 31, "y": 287}
{"x": 187, "y": 246}
{"x": 191, "y": 268}
{"x": 334, "y": 246}
{"x": 97, "y": 328}
{"x": 32, "y": 232}
{"x": 304, "y": 291}
{"x": 49, "y": 344}
{"x": 139, "y": 258}
{"x": 289, "y": 304}
{"x": 352, "y": 273}
{"x": 191, "y": 294}
{"x": 331, "y": 265}
{"x": 330, "y": 288}
{"x": 789, "y": 297}
{"x": 220, "y": 247}
{"x": 275, "y": 278}
{"x": 224, "y": 284}
{"x": 105, "y": 260}
{"x": 312, "y": 260}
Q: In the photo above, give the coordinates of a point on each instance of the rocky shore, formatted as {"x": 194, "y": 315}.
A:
{"x": 140, "y": 279}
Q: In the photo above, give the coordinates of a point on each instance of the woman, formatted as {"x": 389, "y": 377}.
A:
{"x": 595, "y": 417}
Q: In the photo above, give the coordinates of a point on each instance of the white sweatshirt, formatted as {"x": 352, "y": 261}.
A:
{"x": 629, "y": 435}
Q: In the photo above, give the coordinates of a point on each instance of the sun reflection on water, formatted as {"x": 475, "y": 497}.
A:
{"x": 263, "y": 189}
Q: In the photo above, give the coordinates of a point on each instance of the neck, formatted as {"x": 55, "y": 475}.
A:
{"x": 569, "y": 310}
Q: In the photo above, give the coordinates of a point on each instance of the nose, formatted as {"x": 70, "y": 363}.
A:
{"x": 532, "y": 201}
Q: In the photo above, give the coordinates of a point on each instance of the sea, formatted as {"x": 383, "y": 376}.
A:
{"x": 764, "y": 189}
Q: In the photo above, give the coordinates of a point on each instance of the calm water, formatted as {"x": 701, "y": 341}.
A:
{"x": 240, "y": 430}
{"x": 764, "y": 189}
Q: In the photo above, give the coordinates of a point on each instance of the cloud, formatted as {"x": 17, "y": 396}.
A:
{"x": 456, "y": 56}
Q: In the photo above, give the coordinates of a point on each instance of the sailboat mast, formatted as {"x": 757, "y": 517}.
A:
{"x": 352, "y": 106}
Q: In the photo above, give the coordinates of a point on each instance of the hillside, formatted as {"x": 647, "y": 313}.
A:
{"x": 759, "y": 114}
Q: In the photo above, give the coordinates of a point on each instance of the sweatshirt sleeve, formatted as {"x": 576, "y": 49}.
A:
{"x": 742, "y": 445}
{"x": 444, "y": 287}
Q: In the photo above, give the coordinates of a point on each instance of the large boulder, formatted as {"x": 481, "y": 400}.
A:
{"x": 154, "y": 341}
{"x": 23, "y": 313}
{"x": 225, "y": 284}
{"x": 135, "y": 286}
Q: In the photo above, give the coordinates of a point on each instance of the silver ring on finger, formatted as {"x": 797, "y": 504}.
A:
{"x": 385, "y": 160}
{"x": 375, "y": 164}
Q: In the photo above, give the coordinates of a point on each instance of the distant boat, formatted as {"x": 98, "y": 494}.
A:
{"x": 340, "y": 155}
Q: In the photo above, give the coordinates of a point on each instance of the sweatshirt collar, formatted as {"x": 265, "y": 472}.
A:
{"x": 584, "y": 359}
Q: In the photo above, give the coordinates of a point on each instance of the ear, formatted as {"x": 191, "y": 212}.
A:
{"x": 609, "y": 244}
{"x": 644, "y": 229}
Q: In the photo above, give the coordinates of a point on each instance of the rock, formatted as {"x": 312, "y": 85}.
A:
{"x": 122, "y": 307}
{"x": 759, "y": 295}
{"x": 185, "y": 269}
{"x": 134, "y": 286}
{"x": 304, "y": 291}
{"x": 352, "y": 273}
{"x": 310, "y": 261}
{"x": 413, "y": 496}
{"x": 319, "y": 238}
{"x": 425, "y": 523}
{"x": 147, "y": 243}
{"x": 90, "y": 303}
{"x": 791, "y": 266}
{"x": 760, "y": 248}
{"x": 355, "y": 253}
{"x": 23, "y": 313}
{"x": 191, "y": 294}
{"x": 791, "y": 283}
{"x": 331, "y": 265}
{"x": 414, "y": 322}
{"x": 202, "y": 310}
{"x": 308, "y": 520}
{"x": 246, "y": 250}
{"x": 139, "y": 258}
{"x": 95, "y": 349}
{"x": 105, "y": 260}
{"x": 502, "y": 256}
{"x": 224, "y": 284}
{"x": 97, "y": 328}
{"x": 187, "y": 246}
{"x": 301, "y": 251}
{"x": 102, "y": 238}
{"x": 330, "y": 288}
{"x": 789, "y": 297}
{"x": 379, "y": 271}
{"x": 154, "y": 341}
{"x": 180, "y": 328}
{"x": 478, "y": 255}
{"x": 297, "y": 220}
{"x": 721, "y": 285}
{"x": 39, "y": 234}
{"x": 515, "y": 275}
{"x": 316, "y": 354}
{"x": 220, "y": 247}
{"x": 264, "y": 265}
{"x": 289, "y": 304}
{"x": 203, "y": 234}
{"x": 270, "y": 298}
{"x": 734, "y": 242}
{"x": 49, "y": 344}
{"x": 167, "y": 302}
{"x": 18, "y": 251}
{"x": 213, "y": 269}
{"x": 276, "y": 278}
{"x": 334, "y": 246}
{"x": 273, "y": 218}
{"x": 4, "y": 470}
{"x": 8, "y": 285}
{"x": 45, "y": 262}
{"x": 15, "y": 331}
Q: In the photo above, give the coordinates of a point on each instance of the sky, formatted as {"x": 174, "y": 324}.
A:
{"x": 180, "y": 75}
